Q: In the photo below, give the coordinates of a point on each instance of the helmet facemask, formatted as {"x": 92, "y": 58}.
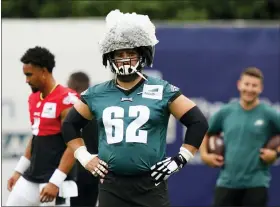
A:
{"x": 127, "y": 68}
{"x": 124, "y": 66}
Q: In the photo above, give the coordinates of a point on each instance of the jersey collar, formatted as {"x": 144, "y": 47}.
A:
{"x": 41, "y": 96}
{"x": 127, "y": 92}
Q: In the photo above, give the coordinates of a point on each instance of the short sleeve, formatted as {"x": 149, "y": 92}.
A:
{"x": 274, "y": 119}
{"x": 216, "y": 123}
{"x": 86, "y": 97}
{"x": 171, "y": 92}
{"x": 68, "y": 100}
{"x": 29, "y": 109}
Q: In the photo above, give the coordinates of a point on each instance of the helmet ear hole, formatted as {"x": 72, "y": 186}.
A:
{"x": 104, "y": 60}
{"x": 147, "y": 52}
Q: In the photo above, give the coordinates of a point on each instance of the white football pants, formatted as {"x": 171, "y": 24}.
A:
{"x": 26, "y": 193}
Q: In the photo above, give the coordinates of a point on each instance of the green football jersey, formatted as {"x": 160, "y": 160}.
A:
{"x": 245, "y": 133}
{"x": 132, "y": 124}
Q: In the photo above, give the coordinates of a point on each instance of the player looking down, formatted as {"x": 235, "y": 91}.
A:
{"x": 44, "y": 172}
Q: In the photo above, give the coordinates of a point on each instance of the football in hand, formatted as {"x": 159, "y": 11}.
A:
{"x": 215, "y": 145}
{"x": 273, "y": 142}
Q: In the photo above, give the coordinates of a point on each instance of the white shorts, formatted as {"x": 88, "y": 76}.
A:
{"x": 26, "y": 193}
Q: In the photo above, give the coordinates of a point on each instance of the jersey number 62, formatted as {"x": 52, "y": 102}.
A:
{"x": 113, "y": 120}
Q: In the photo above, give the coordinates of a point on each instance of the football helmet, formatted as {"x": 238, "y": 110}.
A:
{"x": 145, "y": 58}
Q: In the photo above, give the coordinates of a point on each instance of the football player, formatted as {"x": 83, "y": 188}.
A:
{"x": 132, "y": 111}
{"x": 246, "y": 124}
{"x": 87, "y": 184}
{"x": 44, "y": 172}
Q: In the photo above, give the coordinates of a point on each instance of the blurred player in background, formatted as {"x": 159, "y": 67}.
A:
{"x": 45, "y": 169}
{"x": 247, "y": 125}
{"x": 87, "y": 183}
{"x": 132, "y": 111}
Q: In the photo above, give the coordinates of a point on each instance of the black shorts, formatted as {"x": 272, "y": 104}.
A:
{"x": 132, "y": 191}
{"x": 257, "y": 196}
{"x": 87, "y": 188}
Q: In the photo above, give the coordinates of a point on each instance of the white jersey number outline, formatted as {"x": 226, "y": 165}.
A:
{"x": 116, "y": 124}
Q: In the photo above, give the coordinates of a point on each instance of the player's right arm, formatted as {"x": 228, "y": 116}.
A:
{"x": 215, "y": 127}
{"x": 24, "y": 162}
{"x": 21, "y": 167}
{"x": 27, "y": 153}
{"x": 77, "y": 118}
{"x": 81, "y": 115}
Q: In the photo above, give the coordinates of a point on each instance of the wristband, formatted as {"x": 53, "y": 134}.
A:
{"x": 58, "y": 178}
{"x": 186, "y": 154}
{"x": 22, "y": 165}
{"x": 83, "y": 155}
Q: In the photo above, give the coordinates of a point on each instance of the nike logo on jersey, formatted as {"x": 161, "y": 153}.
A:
{"x": 152, "y": 91}
{"x": 156, "y": 184}
{"x": 126, "y": 99}
{"x": 259, "y": 122}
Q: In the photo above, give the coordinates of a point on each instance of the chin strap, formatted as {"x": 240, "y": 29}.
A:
{"x": 140, "y": 74}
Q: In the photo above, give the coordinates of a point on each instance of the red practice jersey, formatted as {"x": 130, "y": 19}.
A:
{"x": 47, "y": 144}
{"x": 45, "y": 114}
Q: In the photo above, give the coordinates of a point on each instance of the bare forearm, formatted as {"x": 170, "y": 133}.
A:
{"x": 24, "y": 161}
{"x": 80, "y": 151}
{"x": 75, "y": 144}
{"x": 27, "y": 153}
{"x": 67, "y": 161}
{"x": 203, "y": 148}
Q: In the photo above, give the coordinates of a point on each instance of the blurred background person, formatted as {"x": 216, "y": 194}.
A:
{"x": 247, "y": 125}
{"x": 87, "y": 183}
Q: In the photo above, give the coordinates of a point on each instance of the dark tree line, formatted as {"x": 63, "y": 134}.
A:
{"x": 157, "y": 10}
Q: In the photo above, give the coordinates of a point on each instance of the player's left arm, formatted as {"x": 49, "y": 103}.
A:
{"x": 67, "y": 160}
{"x": 189, "y": 114}
{"x": 268, "y": 155}
{"x": 50, "y": 191}
{"x": 275, "y": 122}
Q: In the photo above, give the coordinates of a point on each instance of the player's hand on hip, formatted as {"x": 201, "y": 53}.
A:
{"x": 97, "y": 167}
{"x": 49, "y": 193}
{"x": 268, "y": 155}
{"x": 214, "y": 160}
{"x": 12, "y": 181}
{"x": 163, "y": 169}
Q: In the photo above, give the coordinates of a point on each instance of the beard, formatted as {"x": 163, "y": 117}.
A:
{"x": 127, "y": 78}
{"x": 34, "y": 90}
